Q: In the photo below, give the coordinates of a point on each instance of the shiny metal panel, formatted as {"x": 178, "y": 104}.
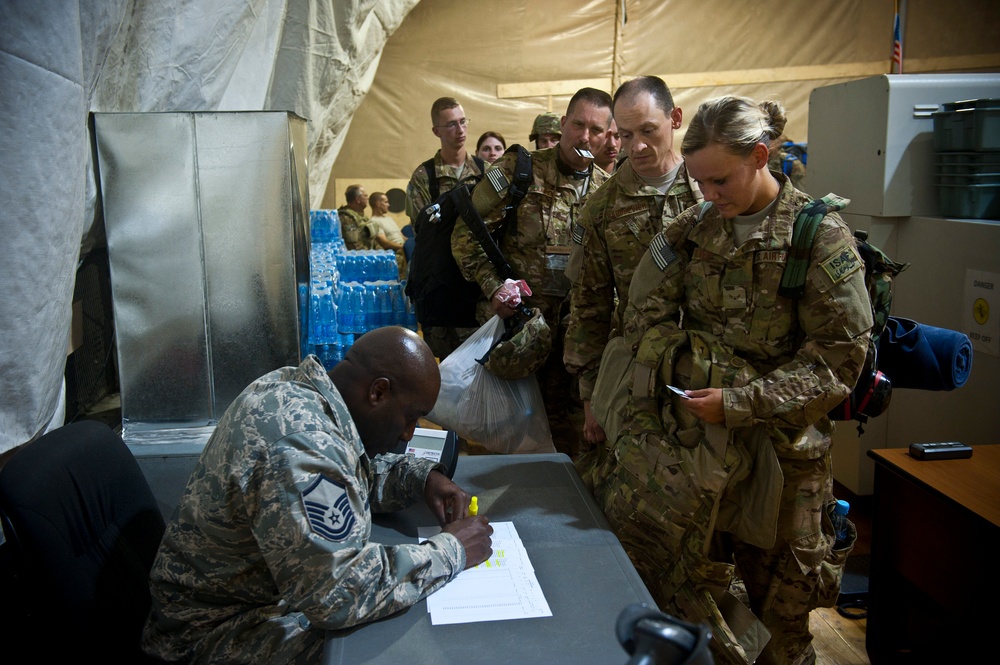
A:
{"x": 204, "y": 213}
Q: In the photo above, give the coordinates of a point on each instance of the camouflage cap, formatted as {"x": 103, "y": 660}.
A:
{"x": 522, "y": 349}
{"x": 546, "y": 123}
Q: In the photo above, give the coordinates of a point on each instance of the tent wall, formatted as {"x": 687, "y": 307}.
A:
{"x": 61, "y": 59}
{"x": 506, "y": 62}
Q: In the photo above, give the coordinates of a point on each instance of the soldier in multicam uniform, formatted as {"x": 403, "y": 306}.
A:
{"x": 607, "y": 159}
{"x": 545, "y": 130}
{"x": 352, "y": 219}
{"x": 269, "y": 545}
{"x": 453, "y": 166}
{"x": 616, "y": 225}
{"x": 749, "y": 481}
{"x": 538, "y": 248}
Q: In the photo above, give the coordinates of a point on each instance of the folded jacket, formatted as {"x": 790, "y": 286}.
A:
{"x": 914, "y": 355}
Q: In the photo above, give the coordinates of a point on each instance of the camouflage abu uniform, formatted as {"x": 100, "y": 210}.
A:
{"x": 544, "y": 220}
{"x": 442, "y": 340}
{"x": 352, "y": 224}
{"x": 612, "y": 233}
{"x": 251, "y": 568}
{"x": 668, "y": 502}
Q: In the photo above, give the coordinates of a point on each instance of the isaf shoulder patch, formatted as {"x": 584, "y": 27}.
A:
{"x": 328, "y": 509}
{"x": 663, "y": 254}
{"x": 841, "y": 264}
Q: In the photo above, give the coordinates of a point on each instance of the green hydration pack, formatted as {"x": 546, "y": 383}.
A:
{"x": 873, "y": 391}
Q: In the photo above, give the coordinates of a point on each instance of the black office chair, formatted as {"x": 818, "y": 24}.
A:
{"x": 82, "y": 528}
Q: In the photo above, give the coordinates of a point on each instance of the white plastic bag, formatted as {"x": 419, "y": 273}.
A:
{"x": 503, "y": 416}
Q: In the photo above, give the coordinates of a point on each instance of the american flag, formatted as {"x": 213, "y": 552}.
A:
{"x": 897, "y": 47}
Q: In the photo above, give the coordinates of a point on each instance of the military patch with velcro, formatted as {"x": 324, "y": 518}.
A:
{"x": 841, "y": 264}
{"x": 497, "y": 179}
{"x": 663, "y": 254}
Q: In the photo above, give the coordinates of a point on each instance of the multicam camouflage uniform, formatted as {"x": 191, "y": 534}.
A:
{"x": 269, "y": 545}
{"x": 418, "y": 191}
{"x": 762, "y": 487}
{"x": 352, "y": 224}
{"x": 611, "y": 235}
{"x": 537, "y": 251}
{"x": 442, "y": 340}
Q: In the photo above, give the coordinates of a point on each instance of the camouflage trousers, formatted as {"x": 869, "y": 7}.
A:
{"x": 443, "y": 340}
{"x": 662, "y": 500}
{"x": 563, "y": 405}
{"x": 559, "y": 388}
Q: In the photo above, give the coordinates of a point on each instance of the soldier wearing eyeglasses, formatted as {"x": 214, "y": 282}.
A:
{"x": 453, "y": 166}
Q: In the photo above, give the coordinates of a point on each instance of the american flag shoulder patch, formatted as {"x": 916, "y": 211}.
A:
{"x": 497, "y": 179}
{"x": 663, "y": 254}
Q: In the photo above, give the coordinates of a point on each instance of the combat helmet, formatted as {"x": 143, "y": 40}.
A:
{"x": 545, "y": 123}
{"x": 523, "y": 348}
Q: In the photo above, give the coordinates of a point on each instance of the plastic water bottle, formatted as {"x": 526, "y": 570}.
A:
{"x": 840, "y": 524}
{"x": 345, "y": 313}
{"x": 372, "y": 311}
{"x": 315, "y": 316}
{"x": 384, "y": 304}
{"x": 360, "y": 307}
{"x": 328, "y": 312}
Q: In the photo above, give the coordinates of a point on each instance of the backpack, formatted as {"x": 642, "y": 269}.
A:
{"x": 441, "y": 295}
{"x": 790, "y": 153}
{"x": 872, "y": 393}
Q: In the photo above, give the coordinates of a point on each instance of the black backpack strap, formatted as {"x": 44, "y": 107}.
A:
{"x": 432, "y": 179}
{"x": 467, "y": 211}
{"x": 793, "y": 279}
{"x": 520, "y": 182}
{"x": 480, "y": 163}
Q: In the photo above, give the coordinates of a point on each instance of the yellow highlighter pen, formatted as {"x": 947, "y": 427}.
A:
{"x": 474, "y": 506}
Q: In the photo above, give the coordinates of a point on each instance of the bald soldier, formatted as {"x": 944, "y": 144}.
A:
{"x": 269, "y": 546}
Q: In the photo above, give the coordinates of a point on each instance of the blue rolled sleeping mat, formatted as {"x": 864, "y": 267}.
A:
{"x": 914, "y": 355}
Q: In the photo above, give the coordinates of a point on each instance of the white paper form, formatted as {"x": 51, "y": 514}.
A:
{"x": 502, "y": 587}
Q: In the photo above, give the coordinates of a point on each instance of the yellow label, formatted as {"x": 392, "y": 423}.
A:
{"x": 981, "y": 311}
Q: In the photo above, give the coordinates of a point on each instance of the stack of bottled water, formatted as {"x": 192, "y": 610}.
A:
{"x": 351, "y": 292}
{"x": 325, "y": 227}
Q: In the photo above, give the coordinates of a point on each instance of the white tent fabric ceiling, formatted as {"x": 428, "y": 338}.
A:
{"x": 506, "y": 61}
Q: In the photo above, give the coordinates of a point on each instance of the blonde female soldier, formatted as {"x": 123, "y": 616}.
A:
{"x": 734, "y": 479}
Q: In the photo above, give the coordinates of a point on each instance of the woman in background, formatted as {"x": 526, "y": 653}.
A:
{"x": 490, "y": 147}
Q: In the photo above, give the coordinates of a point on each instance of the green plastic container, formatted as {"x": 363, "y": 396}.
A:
{"x": 970, "y": 201}
{"x": 967, "y": 179}
{"x": 968, "y": 125}
{"x": 967, "y": 163}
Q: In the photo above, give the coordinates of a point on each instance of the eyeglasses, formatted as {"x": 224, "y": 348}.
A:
{"x": 454, "y": 124}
